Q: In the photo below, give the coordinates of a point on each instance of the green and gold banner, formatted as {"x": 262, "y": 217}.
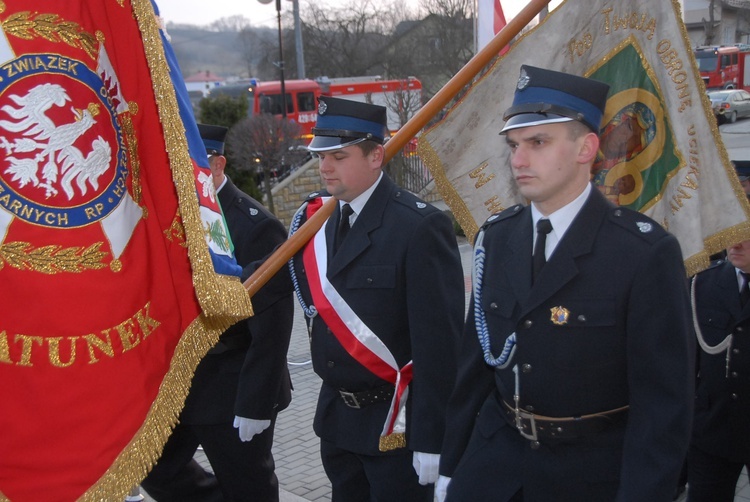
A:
{"x": 661, "y": 152}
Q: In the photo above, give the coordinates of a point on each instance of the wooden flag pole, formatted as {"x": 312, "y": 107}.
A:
{"x": 464, "y": 76}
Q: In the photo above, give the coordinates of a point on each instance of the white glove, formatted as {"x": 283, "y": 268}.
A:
{"x": 426, "y": 465}
{"x": 249, "y": 427}
{"x": 441, "y": 488}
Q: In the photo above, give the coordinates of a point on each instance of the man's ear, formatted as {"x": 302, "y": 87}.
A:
{"x": 377, "y": 155}
{"x": 589, "y": 148}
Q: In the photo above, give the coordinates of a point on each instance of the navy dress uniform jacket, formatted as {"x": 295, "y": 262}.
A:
{"x": 246, "y": 374}
{"x": 627, "y": 341}
{"x": 400, "y": 271}
{"x": 722, "y": 406}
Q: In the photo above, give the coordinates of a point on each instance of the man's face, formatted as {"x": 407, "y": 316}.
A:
{"x": 348, "y": 172}
{"x": 739, "y": 255}
{"x": 745, "y": 185}
{"x": 547, "y": 164}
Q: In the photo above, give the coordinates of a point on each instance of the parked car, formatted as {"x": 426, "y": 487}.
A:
{"x": 730, "y": 105}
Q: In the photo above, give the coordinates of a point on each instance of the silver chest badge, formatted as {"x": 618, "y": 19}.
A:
{"x": 253, "y": 211}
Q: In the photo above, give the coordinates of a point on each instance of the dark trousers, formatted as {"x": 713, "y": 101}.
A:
{"x": 373, "y": 478}
{"x": 712, "y": 478}
{"x": 244, "y": 470}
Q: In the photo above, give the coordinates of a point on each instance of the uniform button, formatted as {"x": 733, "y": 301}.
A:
{"x": 528, "y": 323}
{"x": 618, "y": 213}
{"x": 739, "y": 329}
{"x": 535, "y": 445}
{"x": 734, "y": 397}
{"x": 369, "y": 280}
{"x": 331, "y": 364}
{"x": 493, "y": 306}
{"x": 526, "y": 368}
{"x": 581, "y": 318}
{"x": 735, "y": 351}
{"x": 734, "y": 374}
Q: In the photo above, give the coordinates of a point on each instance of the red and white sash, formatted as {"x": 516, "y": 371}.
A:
{"x": 356, "y": 338}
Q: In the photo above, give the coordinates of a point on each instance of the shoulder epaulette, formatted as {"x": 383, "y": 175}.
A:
{"x": 251, "y": 210}
{"x": 504, "y": 215}
{"x": 637, "y": 224}
{"x": 314, "y": 195}
{"x": 716, "y": 263}
{"x": 411, "y": 201}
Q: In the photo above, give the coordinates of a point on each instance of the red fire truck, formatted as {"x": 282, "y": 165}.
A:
{"x": 723, "y": 66}
{"x": 401, "y": 97}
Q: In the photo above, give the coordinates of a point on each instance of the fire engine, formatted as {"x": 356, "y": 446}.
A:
{"x": 723, "y": 66}
{"x": 401, "y": 97}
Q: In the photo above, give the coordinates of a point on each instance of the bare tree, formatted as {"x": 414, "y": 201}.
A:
{"x": 232, "y": 24}
{"x": 264, "y": 143}
{"x": 345, "y": 40}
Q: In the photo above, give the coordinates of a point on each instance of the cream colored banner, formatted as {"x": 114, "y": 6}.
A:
{"x": 697, "y": 197}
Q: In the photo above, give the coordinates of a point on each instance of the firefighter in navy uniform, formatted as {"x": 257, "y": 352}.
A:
{"x": 243, "y": 382}
{"x": 384, "y": 276}
{"x": 720, "y": 447}
{"x": 575, "y": 375}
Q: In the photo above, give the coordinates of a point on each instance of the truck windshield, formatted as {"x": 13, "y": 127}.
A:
{"x": 707, "y": 61}
{"x": 271, "y": 103}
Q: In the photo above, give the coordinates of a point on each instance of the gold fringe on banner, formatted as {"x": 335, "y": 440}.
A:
{"x": 217, "y": 295}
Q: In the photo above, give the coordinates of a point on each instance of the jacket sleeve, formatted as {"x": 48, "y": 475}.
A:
{"x": 435, "y": 295}
{"x": 660, "y": 359}
{"x": 264, "y": 385}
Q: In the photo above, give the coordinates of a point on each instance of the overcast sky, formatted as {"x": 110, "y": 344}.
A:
{"x": 203, "y": 12}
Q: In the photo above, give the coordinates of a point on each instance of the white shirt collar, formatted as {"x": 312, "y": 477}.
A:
{"x": 560, "y": 219}
{"x": 358, "y": 204}
{"x": 224, "y": 182}
{"x": 740, "y": 278}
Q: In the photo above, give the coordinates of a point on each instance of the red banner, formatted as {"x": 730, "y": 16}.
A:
{"x": 109, "y": 295}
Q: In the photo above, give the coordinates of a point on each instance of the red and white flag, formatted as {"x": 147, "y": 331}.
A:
{"x": 490, "y": 20}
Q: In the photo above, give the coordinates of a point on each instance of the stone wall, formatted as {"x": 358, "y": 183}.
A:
{"x": 290, "y": 193}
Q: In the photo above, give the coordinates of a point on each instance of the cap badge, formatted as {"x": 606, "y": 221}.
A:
{"x": 644, "y": 227}
{"x": 322, "y": 108}
{"x": 559, "y": 315}
{"x": 523, "y": 80}
{"x": 253, "y": 211}
{"x": 421, "y": 205}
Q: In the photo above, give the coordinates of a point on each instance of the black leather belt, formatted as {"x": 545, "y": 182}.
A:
{"x": 367, "y": 397}
{"x": 536, "y": 427}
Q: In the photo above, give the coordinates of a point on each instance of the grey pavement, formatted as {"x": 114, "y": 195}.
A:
{"x": 296, "y": 448}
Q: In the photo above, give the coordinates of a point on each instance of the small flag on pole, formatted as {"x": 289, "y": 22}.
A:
{"x": 490, "y": 20}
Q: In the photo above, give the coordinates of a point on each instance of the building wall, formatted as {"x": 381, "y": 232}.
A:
{"x": 290, "y": 193}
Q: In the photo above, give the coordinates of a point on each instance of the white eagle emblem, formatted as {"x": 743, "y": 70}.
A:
{"x": 55, "y": 161}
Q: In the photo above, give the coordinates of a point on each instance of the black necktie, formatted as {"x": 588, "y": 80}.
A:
{"x": 745, "y": 291}
{"x": 346, "y": 211}
{"x": 543, "y": 227}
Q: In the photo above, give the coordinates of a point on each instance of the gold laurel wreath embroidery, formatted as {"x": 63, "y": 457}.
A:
{"x": 28, "y": 25}
{"x": 176, "y": 232}
{"x": 52, "y": 259}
